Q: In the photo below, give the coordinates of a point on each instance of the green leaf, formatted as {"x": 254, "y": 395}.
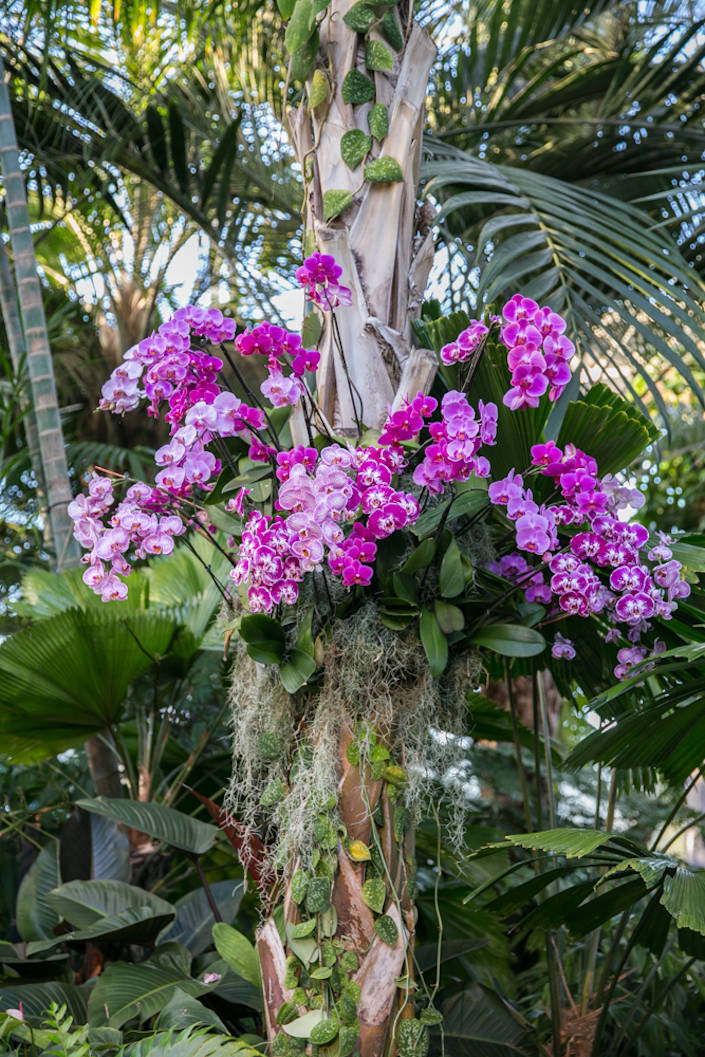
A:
{"x": 297, "y": 670}
{"x": 264, "y": 637}
{"x": 317, "y": 91}
{"x": 272, "y": 793}
{"x": 335, "y": 202}
{"x": 378, "y": 56}
{"x": 452, "y": 573}
{"x": 311, "y": 330}
{"x": 684, "y": 898}
{"x": 374, "y": 894}
{"x": 477, "y": 1021}
{"x": 325, "y": 1031}
{"x": 286, "y": 8}
{"x": 36, "y": 999}
{"x": 412, "y": 1038}
{"x": 194, "y": 918}
{"x": 378, "y": 121}
{"x": 360, "y": 17}
{"x": 606, "y": 427}
{"x": 301, "y": 25}
{"x": 462, "y": 504}
{"x": 391, "y": 30}
{"x": 140, "y": 924}
{"x": 405, "y": 588}
{"x": 317, "y": 898}
{"x": 595, "y": 249}
{"x": 238, "y": 952}
{"x": 302, "y": 1027}
{"x": 304, "y": 57}
{"x": 173, "y": 955}
{"x": 383, "y": 170}
{"x": 126, "y": 992}
{"x": 387, "y": 930}
{"x": 303, "y": 929}
{"x": 420, "y": 557}
{"x": 184, "y": 1011}
{"x": 450, "y": 618}
{"x": 433, "y": 641}
{"x": 163, "y": 823}
{"x": 573, "y": 843}
{"x": 354, "y": 146}
{"x": 357, "y": 88}
{"x": 510, "y": 640}
{"x": 67, "y": 677}
{"x": 93, "y": 847}
{"x": 36, "y": 917}
{"x": 84, "y": 903}
{"x": 298, "y": 886}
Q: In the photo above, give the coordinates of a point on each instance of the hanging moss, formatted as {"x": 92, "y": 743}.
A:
{"x": 375, "y": 682}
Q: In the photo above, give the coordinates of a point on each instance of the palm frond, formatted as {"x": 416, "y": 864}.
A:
{"x": 595, "y": 259}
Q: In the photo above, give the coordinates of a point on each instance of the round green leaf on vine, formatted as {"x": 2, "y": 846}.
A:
{"x": 354, "y": 146}
{"x": 318, "y": 89}
{"x": 357, "y": 88}
{"x": 378, "y": 121}
{"x": 378, "y": 56}
{"x": 335, "y": 202}
{"x": 383, "y": 170}
{"x": 392, "y": 31}
{"x": 360, "y": 17}
{"x": 374, "y": 893}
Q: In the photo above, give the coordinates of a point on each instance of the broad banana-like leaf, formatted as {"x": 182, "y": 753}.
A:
{"x": 184, "y": 1011}
{"x": 36, "y": 999}
{"x": 36, "y": 917}
{"x": 85, "y": 903}
{"x": 194, "y": 918}
{"x": 128, "y": 992}
{"x": 93, "y": 848}
{"x": 163, "y": 823}
{"x": 135, "y": 925}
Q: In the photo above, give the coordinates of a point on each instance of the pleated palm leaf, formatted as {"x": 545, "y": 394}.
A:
{"x": 561, "y": 155}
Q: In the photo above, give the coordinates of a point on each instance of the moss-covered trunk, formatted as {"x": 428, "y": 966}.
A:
{"x": 353, "y": 972}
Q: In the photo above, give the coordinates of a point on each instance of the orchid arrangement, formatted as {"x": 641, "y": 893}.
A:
{"x": 575, "y": 550}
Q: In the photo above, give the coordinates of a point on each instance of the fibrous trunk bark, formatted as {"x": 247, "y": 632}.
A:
{"x": 383, "y": 240}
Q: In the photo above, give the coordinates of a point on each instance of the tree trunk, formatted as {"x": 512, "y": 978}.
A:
{"x": 379, "y": 937}
{"x": 382, "y": 240}
{"x": 39, "y": 363}
{"x": 45, "y": 436}
{"x": 15, "y": 341}
{"x": 384, "y": 244}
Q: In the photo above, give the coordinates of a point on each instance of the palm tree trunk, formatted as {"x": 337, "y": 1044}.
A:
{"x": 383, "y": 240}
{"x": 384, "y": 244}
{"x": 45, "y": 436}
{"x": 15, "y": 341}
{"x": 39, "y": 363}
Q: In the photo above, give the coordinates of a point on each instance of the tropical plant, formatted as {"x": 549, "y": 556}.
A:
{"x": 332, "y": 720}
